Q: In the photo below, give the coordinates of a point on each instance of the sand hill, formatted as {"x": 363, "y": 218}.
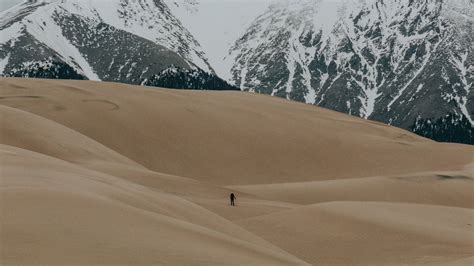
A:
{"x": 105, "y": 173}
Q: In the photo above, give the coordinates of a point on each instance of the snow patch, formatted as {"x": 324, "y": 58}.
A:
{"x": 419, "y": 88}
{"x": 460, "y": 64}
{"x": 53, "y": 38}
{"x": 10, "y": 33}
{"x": 3, "y": 63}
{"x": 417, "y": 73}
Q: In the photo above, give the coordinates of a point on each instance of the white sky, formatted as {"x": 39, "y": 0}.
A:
{"x": 218, "y": 24}
{"x": 5, "y": 4}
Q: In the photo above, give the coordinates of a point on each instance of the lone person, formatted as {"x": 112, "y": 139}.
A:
{"x": 232, "y": 199}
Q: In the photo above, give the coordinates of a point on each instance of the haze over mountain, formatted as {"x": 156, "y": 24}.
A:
{"x": 405, "y": 63}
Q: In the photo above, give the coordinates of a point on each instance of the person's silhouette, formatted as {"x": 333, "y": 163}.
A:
{"x": 232, "y": 199}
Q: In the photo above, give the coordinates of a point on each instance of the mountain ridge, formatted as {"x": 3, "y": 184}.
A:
{"x": 94, "y": 38}
{"x": 394, "y": 62}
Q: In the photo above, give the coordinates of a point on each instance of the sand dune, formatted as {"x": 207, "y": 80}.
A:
{"x": 55, "y": 212}
{"x": 105, "y": 173}
{"x": 29, "y": 131}
{"x": 253, "y": 139}
{"x": 370, "y": 233}
{"x": 434, "y": 188}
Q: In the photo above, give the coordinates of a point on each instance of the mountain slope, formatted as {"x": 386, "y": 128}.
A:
{"x": 97, "y": 40}
{"x": 407, "y": 63}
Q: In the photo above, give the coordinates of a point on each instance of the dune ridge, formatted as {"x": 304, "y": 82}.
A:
{"x": 106, "y": 173}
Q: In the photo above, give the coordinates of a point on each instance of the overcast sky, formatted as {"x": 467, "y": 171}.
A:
{"x": 5, "y": 4}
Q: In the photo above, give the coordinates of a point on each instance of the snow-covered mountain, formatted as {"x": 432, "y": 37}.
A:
{"x": 113, "y": 40}
{"x": 409, "y": 63}
{"x": 217, "y": 24}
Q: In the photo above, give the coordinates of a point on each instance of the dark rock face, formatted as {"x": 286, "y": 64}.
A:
{"x": 391, "y": 61}
{"x": 180, "y": 78}
{"x": 114, "y": 54}
{"x": 30, "y": 58}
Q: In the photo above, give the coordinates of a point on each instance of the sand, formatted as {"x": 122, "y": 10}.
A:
{"x": 106, "y": 173}
{"x": 369, "y": 233}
